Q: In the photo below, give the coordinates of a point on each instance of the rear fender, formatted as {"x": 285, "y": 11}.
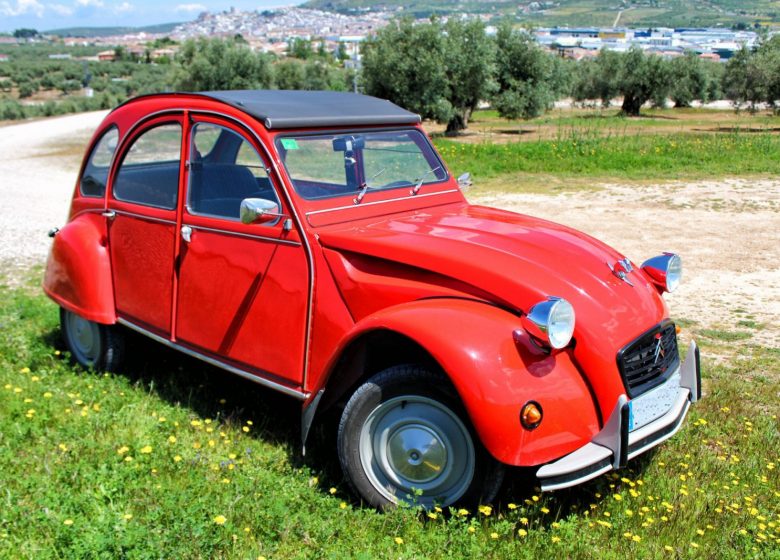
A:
{"x": 78, "y": 271}
{"x": 496, "y": 369}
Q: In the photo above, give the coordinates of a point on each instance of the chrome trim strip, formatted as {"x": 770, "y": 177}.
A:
{"x": 245, "y": 235}
{"x": 364, "y": 204}
{"x": 216, "y": 363}
{"x": 142, "y": 217}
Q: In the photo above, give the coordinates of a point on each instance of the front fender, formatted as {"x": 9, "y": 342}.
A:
{"x": 496, "y": 369}
{"x": 78, "y": 270}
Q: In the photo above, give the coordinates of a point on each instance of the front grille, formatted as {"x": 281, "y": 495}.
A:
{"x": 643, "y": 364}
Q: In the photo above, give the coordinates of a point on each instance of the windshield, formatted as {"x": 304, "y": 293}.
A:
{"x": 327, "y": 165}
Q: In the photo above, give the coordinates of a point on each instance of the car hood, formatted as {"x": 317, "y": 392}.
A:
{"x": 518, "y": 261}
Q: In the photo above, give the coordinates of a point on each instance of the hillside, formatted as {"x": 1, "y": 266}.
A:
{"x": 635, "y": 13}
{"x": 110, "y": 31}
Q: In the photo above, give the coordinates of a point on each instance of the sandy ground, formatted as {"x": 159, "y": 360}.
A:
{"x": 36, "y": 183}
{"x": 728, "y": 231}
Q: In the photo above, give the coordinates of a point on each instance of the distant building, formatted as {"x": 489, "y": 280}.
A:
{"x": 106, "y": 56}
{"x": 60, "y": 56}
{"x": 4, "y": 58}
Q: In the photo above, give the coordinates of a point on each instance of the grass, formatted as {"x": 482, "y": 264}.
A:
{"x": 586, "y": 157}
{"x": 174, "y": 459}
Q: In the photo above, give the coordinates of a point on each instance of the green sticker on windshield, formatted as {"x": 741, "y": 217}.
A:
{"x": 289, "y": 144}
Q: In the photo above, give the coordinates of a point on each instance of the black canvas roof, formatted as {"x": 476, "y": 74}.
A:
{"x": 278, "y": 109}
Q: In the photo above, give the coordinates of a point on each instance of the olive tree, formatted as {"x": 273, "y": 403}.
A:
{"x": 690, "y": 79}
{"x": 216, "y": 64}
{"x": 642, "y": 78}
{"x": 529, "y": 80}
{"x": 439, "y": 71}
{"x": 597, "y": 78}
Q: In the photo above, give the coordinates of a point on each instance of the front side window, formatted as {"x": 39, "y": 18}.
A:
{"x": 326, "y": 165}
{"x": 149, "y": 173}
{"x": 95, "y": 176}
{"x": 224, "y": 170}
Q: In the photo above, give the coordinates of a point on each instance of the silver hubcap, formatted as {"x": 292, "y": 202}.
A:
{"x": 83, "y": 338}
{"x": 414, "y": 443}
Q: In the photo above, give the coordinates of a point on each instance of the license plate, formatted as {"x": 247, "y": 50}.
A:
{"x": 655, "y": 403}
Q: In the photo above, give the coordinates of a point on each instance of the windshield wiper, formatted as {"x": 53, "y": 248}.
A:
{"x": 364, "y": 187}
{"x": 418, "y": 183}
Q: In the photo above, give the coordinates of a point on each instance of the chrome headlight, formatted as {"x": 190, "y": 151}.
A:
{"x": 550, "y": 322}
{"x": 665, "y": 270}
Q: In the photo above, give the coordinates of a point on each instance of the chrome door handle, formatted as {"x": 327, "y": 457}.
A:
{"x": 110, "y": 214}
{"x": 186, "y": 233}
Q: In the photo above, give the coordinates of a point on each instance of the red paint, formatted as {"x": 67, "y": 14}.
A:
{"x": 451, "y": 276}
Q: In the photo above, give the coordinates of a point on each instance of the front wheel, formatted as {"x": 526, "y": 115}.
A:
{"x": 91, "y": 344}
{"x": 404, "y": 436}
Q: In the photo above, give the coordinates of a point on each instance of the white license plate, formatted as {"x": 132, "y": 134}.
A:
{"x": 655, "y": 403}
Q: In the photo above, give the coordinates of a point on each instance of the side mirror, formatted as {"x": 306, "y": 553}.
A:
{"x": 464, "y": 181}
{"x": 258, "y": 211}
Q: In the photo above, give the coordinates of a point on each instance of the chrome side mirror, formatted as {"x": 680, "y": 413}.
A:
{"x": 464, "y": 181}
{"x": 258, "y": 211}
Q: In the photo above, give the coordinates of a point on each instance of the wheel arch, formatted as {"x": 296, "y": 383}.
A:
{"x": 494, "y": 367}
{"x": 78, "y": 270}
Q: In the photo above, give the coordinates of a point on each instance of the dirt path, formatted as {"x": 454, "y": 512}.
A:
{"x": 728, "y": 231}
{"x": 36, "y": 182}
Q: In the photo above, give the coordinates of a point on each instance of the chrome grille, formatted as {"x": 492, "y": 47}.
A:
{"x": 647, "y": 361}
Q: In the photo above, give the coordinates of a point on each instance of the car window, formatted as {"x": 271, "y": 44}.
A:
{"x": 149, "y": 173}
{"x": 231, "y": 171}
{"x": 326, "y": 165}
{"x": 93, "y": 180}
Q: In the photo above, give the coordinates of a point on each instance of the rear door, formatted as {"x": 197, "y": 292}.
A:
{"x": 242, "y": 289}
{"x": 142, "y": 223}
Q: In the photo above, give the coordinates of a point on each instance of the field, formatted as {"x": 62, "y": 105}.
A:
{"x": 574, "y": 13}
{"x": 171, "y": 458}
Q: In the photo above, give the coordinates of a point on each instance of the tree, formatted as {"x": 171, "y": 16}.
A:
{"x": 300, "y": 48}
{"x": 690, "y": 80}
{"x": 468, "y": 59}
{"x": 404, "y": 63}
{"x": 25, "y": 33}
{"x": 529, "y": 80}
{"x": 216, "y": 64}
{"x": 597, "y": 78}
{"x": 744, "y": 80}
{"x": 642, "y": 78}
{"x": 289, "y": 74}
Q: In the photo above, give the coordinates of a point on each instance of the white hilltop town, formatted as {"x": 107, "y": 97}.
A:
{"x": 273, "y": 30}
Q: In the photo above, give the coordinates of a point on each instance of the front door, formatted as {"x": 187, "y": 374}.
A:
{"x": 242, "y": 289}
{"x": 142, "y": 231}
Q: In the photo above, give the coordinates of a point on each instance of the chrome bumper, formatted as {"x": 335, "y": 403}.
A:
{"x": 614, "y": 445}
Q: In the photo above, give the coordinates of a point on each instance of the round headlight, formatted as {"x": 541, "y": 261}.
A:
{"x": 551, "y": 322}
{"x": 665, "y": 270}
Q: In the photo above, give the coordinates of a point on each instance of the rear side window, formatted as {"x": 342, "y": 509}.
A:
{"x": 149, "y": 173}
{"x": 93, "y": 180}
{"x": 224, "y": 170}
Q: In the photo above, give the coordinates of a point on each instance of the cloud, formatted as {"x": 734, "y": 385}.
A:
{"x": 60, "y": 9}
{"x": 124, "y": 7}
{"x": 94, "y": 3}
{"x": 22, "y": 7}
{"x": 191, "y": 8}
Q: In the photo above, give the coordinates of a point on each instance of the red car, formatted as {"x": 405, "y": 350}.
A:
{"x": 315, "y": 243}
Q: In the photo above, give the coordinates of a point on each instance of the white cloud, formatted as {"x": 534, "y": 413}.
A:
{"x": 60, "y": 9}
{"x": 124, "y": 7}
{"x": 22, "y": 7}
{"x": 191, "y": 8}
{"x": 85, "y": 3}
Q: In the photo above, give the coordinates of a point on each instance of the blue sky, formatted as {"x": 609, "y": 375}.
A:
{"x": 52, "y": 14}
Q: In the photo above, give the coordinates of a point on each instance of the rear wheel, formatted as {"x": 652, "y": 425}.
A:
{"x": 404, "y": 436}
{"x": 91, "y": 344}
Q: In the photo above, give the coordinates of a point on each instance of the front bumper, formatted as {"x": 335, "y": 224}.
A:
{"x": 615, "y": 444}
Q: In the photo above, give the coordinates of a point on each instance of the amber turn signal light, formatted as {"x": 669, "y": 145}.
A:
{"x": 677, "y": 329}
{"x": 531, "y": 415}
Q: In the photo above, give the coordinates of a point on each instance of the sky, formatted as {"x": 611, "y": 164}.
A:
{"x": 52, "y": 14}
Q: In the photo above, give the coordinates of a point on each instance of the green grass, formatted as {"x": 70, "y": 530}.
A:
{"x": 579, "y": 156}
{"x": 144, "y": 463}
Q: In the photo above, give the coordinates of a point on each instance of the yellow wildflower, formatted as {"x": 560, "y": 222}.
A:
{"x": 220, "y": 520}
{"x": 146, "y": 449}
{"x": 399, "y": 540}
{"x": 485, "y": 510}
{"x": 522, "y": 532}
{"x": 68, "y": 522}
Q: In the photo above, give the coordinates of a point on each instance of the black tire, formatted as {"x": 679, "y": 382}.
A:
{"x": 92, "y": 345}
{"x": 404, "y": 436}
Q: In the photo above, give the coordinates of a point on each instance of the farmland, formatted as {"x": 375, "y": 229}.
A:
{"x": 172, "y": 458}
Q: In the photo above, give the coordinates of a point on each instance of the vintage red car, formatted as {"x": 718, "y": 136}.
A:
{"x": 315, "y": 243}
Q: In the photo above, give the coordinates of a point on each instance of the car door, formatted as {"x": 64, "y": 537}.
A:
{"x": 242, "y": 289}
{"x": 142, "y": 223}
